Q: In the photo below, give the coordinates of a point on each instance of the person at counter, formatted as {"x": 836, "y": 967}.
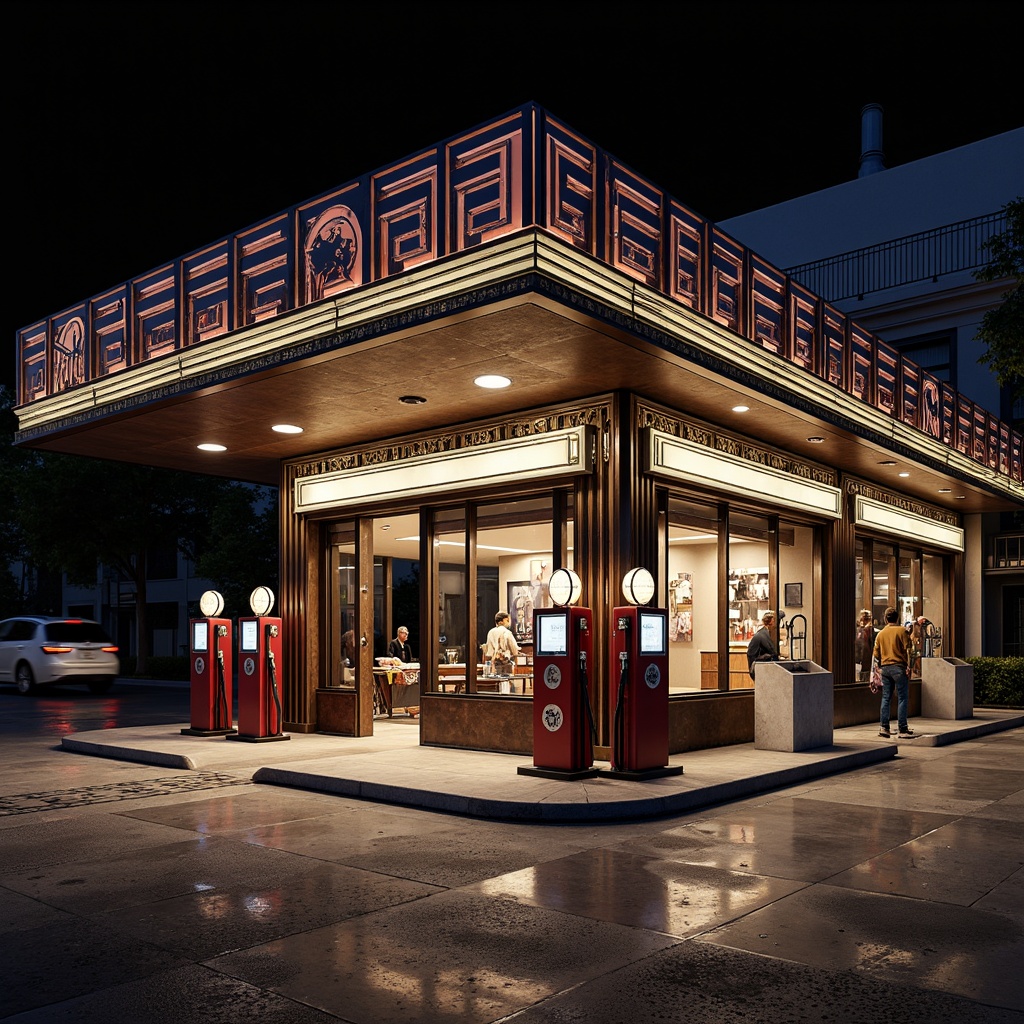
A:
{"x": 400, "y": 648}
{"x": 761, "y": 646}
{"x": 501, "y": 649}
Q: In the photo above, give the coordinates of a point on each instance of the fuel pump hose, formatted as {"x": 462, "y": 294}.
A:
{"x": 619, "y": 729}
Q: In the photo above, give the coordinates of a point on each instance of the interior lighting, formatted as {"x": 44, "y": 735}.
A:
{"x": 816, "y": 440}
{"x": 492, "y": 380}
{"x": 945, "y": 490}
{"x": 741, "y": 408}
{"x": 212, "y": 447}
{"x": 888, "y": 462}
{"x": 413, "y": 400}
{"x": 286, "y": 428}
{"x": 904, "y": 473}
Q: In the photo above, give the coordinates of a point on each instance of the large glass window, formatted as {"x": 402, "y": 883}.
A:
{"x": 770, "y": 566}
{"x": 341, "y": 606}
{"x": 692, "y": 598}
{"x": 911, "y": 581}
{"x": 797, "y": 606}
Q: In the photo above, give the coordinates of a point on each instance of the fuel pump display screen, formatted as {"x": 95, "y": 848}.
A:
{"x": 248, "y": 639}
{"x": 653, "y": 627}
{"x": 200, "y": 636}
{"x": 552, "y": 635}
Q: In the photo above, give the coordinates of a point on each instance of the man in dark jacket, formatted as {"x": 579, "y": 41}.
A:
{"x": 761, "y": 647}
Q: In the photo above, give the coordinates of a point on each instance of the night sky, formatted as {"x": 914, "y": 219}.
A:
{"x": 140, "y": 132}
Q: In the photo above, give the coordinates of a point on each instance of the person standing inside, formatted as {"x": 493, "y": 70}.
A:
{"x": 892, "y": 649}
{"x": 502, "y": 649}
{"x": 864, "y": 643}
{"x": 761, "y": 646}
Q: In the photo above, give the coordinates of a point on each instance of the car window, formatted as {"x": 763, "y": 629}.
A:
{"x": 19, "y": 630}
{"x": 76, "y": 633}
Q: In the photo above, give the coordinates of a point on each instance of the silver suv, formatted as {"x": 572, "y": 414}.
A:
{"x": 37, "y": 650}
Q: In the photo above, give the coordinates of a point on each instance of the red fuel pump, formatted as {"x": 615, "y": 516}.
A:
{"x": 638, "y": 684}
{"x": 259, "y": 695}
{"x": 210, "y": 670}
{"x": 563, "y": 719}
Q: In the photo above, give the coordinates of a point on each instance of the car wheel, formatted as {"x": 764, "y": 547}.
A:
{"x": 24, "y": 679}
{"x": 100, "y": 685}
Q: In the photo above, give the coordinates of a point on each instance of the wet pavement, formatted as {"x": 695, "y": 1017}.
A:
{"x": 170, "y": 878}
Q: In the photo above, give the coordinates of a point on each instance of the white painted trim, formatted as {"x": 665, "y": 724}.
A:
{"x": 906, "y": 525}
{"x": 679, "y": 459}
{"x": 556, "y": 453}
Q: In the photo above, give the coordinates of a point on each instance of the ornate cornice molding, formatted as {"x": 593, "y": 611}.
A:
{"x": 649, "y": 415}
{"x": 855, "y": 486}
{"x": 509, "y": 428}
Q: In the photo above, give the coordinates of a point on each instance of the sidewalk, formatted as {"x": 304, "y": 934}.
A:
{"x": 391, "y": 767}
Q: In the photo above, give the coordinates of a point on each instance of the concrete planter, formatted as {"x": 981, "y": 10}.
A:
{"x": 947, "y": 688}
{"x": 793, "y": 705}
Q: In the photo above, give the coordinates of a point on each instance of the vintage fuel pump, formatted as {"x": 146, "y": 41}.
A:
{"x": 259, "y": 693}
{"x": 638, "y": 683}
{"x": 563, "y": 719}
{"x": 210, "y": 670}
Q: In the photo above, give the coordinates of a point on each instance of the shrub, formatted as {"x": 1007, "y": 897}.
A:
{"x": 998, "y": 682}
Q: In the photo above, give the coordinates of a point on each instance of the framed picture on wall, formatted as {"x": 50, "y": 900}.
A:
{"x": 794, "y": 595}
{"x": 520, "y": 608}
{"x": 680, "y": 608}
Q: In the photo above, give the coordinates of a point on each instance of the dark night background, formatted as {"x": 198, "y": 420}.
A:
{"x": 140, "y": 132}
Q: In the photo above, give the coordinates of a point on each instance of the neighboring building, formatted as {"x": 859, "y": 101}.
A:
{"x": 172, "y": 594}
{"x": 673, "y": 401}
{"x": 896, "y": 250}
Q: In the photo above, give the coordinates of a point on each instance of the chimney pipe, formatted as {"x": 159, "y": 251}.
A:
{"x": 872, "y": 159}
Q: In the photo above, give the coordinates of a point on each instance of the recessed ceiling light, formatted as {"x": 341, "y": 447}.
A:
{"x": 945, "y": 490}
{"x": 413, "y": 400}
{"x": 286, "y": 428}
{"x": 492, "y": 380}
{"x": 816, "y": 440}
{"x": 904, "y": 473}
{"x": 741, "y": 408}
{"x": 961, "y": 497}
{"x": 889, "y": 462}
{"x": 212, "y": 447}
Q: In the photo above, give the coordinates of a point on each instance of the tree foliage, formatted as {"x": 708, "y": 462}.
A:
{"x": 1002, "y": 328}
{"x": 242, "y": 552}
{"x": 69, "y": 513}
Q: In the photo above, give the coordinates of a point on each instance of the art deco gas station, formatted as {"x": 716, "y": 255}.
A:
{"x": 672, "y": 403}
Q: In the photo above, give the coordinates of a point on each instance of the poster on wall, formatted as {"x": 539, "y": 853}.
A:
{"x": 680, "y": 608}
{"x": 748, "y": 598}
{"x": 540, "y": 575}
{"x": 520, "y": 608}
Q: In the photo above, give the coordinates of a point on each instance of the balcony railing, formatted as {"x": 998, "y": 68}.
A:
{"x": 926, "y": 256}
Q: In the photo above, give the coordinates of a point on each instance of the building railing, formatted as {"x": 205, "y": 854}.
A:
{"x": 523, "y": 170}
{"x": 925, "y": 256}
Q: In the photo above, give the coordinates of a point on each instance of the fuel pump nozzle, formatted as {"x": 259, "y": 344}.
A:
{"x": 618, "y": 723}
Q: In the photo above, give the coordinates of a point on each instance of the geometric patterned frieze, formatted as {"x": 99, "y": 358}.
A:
{"x": 405, "y": 212}
{"x": 571, "y": 184}
{"x": 485, "y": 171}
